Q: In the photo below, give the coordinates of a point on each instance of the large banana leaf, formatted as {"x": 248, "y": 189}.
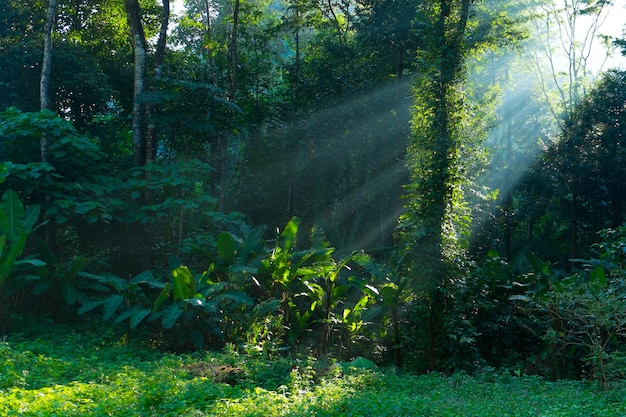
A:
{"x": 11, "y": 216}
{"x": 15, "y": 226}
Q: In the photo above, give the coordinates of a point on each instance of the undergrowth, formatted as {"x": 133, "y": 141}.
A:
{"x": 53, "y": 370}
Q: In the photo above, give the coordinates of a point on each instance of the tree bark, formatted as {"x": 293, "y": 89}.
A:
{"x": 133, "y": 15}
{"x": 46, "y": 104}
{"x": 159, "y": 61}
{"x": 233, "y": 51}
{"x": 46, "y": 70}
{"x": 209, "y": 39}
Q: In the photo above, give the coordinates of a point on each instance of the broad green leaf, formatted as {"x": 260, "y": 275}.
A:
{"x": 111, "y": 304}
{"x": 338, "y": 292}
{"x": 136, "y": 315}
{"x": 390, "y": 294}
{"x": 10, "y": 255}
{"x": 183, "y": 283}
{"x": 31, "y": 215}
{"x": 47, "y": 254}
{"x": 252, "y": 241}
{"x": 195, "y": 302}
{"x": 287, "y": 238}
{"x": 225, "y": 247}
{"x": 237, "y": 296}
{"x": 69, "y": 292}
{"x": 144, "y": 277}
{"x": 170, "y": 315}
{"x": 42, "y": 286}
{"x": 90, "y": 305}
{"x": 163, "y": 296}
{"x": 76, "y": 267}
{"x": 598, "y": 277}
{"x": 243, "y": 269}
{"x": 11, "y": 215}
{"x": 29, "y": 261}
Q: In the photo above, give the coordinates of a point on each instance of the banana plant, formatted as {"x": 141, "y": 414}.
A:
{"x": 392, "y": 293}
{"x": 128, "y": 299}
{"x": 291, "y": 274}
{"x": 16, "y": 224}
{"x": 197, "y": 305}
{"x": 353, "y": 321}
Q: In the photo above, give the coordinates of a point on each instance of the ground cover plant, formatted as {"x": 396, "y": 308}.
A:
{"x": 290, "y": 196}
{"x": 49, "y": 369}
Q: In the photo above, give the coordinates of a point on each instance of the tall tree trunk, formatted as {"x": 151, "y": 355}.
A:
{"x": 434, "y": 163}
{"x": 209, "y": 39}
{"x": 574, "y": 221}
{"x": 133, "y": 15}
{"x": 159, "y": 61}
{"x": 233, "y": 51}
{"x": 46, "y": 103}
{"x": 46, "y": 70}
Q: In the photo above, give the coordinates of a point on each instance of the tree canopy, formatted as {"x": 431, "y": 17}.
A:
{"x": 408, "y": 180}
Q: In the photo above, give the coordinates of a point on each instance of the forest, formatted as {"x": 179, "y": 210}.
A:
{"x": 432, "y": 185}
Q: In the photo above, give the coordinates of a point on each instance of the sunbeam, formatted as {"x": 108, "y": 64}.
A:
{"x": 355, "y": 206}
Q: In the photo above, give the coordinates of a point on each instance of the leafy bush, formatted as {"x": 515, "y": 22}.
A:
{"x": 54, "y": 370}
{"x": 16, "y": 225}
{"x": 587, "y": 310}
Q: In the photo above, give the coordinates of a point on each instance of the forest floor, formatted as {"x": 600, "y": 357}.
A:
{"x": 48, "y": 369}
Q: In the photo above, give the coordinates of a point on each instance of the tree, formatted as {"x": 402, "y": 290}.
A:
{"x": 433, "y": 159}
{"x": 563, "y": 89}
{"x": 386, "y": 30}
{"x": 159, "y": 61}
{"x": 589, "y": 158}
{"x": 433, "y": 155}
{"x": 46, "y": 66}
{"x": 140, "y": 51}
{"x": 44, "y": 92}
{"x": 442, "y": 155}
{"x": 574, "y": 27}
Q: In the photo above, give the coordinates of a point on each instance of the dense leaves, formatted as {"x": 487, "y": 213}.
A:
{"x": 215, "y": 181}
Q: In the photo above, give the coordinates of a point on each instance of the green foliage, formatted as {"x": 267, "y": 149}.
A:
{"x": 69, "y": 280}
{"x": 587, "y": 311}
{"x": 64, "y": 185}
{"x": 130, "y": 300}
{"x": 315, "y": 289}
{"x": 56, "y": 371}
{"x": 199, "y": 305}
{"x": 16, "y": 225}
{"x": 507, "y": 333}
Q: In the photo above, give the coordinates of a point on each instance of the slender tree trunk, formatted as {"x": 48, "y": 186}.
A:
{"x": 159, "y": 61}
{"x": 233, "y": 51}
{"x": 574, "y": 222}
{"x": 133, "y": 15}
{"x": 46, "y": 70}
{"x": 46, "y": 104}
{"x": 209, "y": 36}
{"x": 400, "y": 62}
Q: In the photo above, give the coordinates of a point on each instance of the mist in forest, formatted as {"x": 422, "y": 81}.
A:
{"x": 322, "y": 178}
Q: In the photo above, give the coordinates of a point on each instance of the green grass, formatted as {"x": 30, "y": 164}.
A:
{"x": 52, "y": 370}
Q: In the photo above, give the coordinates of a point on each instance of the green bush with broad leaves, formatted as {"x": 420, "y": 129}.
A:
{"x": 586, "y": 311}
{"x": 56, "y": 370}
{"x": 16, "y": 225}
{"x": 316, "y": 291}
